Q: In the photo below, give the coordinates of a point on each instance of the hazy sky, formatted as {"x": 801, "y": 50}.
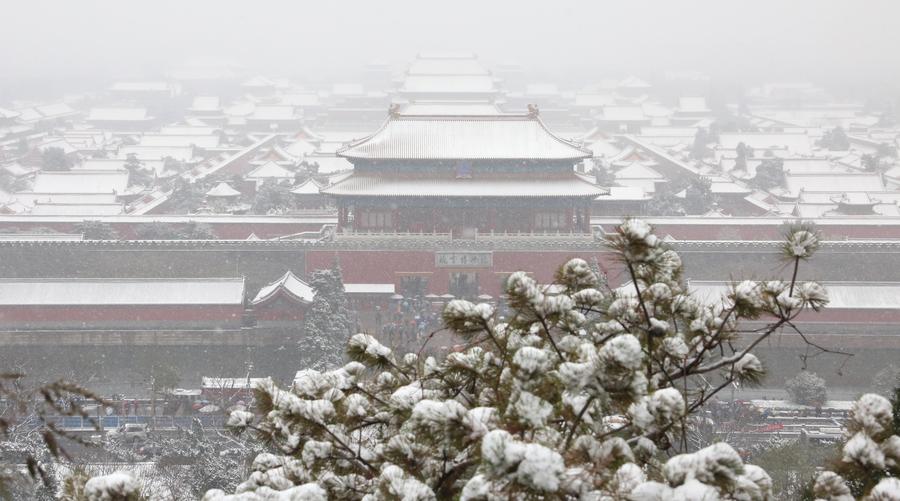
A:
{"x": 851, "y": 40}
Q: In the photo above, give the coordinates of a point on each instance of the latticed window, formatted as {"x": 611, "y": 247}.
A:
{"x": 375, "y": 219}
{"x": 550, "y": 220}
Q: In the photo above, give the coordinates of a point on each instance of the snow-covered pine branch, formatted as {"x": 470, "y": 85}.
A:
{"x": 580, "y": 394}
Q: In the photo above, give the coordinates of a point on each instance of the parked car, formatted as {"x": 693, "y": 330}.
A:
{"x": 130, "y": 432}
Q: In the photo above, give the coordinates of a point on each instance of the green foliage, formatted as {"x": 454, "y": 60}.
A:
{"x": 698, "y": 195}
{"x": 271, "y": 196}
{"x": 697, "y": 198}
{"x": 807, "y": 388}
{"x": 793, "y": 466}
{"x": 699, "y": 149}
{"x": 55, "y": 159}
{"x": 769, "y": 174}
{"x": 328, "y": 322}
{"x": 162, "y": 375}
{"x": 578, "y": 393}
{"x": 743, "y": 152}
{"x": 886, "y": 380}
{"x": 137, "y": 174}
{"x": 664, "y": 203}
{"x": 835, "y": 140}
{"x": 192, "y": 230}
{"x": 40, "y": 443}
{"x": 186, "y": 197}
{"x": 96, "y": 230}
{"x": 602, "y": 174}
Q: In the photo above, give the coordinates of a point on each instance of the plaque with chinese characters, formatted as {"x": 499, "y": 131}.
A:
{"x": 463, "y": 259}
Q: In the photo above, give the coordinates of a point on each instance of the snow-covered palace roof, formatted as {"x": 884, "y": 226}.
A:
{"x": 223, "y": 189}
{"x": 81, "y": 181}
{"x": 126, "y": 291}
{"x": 270, "y": 170}
{"x": 375, "y": 186}
{"x": 519, "y": 137}
{"x": 288, "y": 283}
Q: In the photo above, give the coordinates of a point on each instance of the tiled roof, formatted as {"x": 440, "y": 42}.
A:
{"x": 464, "y": 137}
{"x": 359, "y": 185}
{"x": 288, "y": 283}
{"x": 179, "y": 141}
{"x": 128, "y": 291}
{"x": 79, "y": 209}
{"x": 118, "y": 114}
{"x": 270, "y": 170}
{"x": 307, "y": 188}
{"x": 837, "y": 182}
{"x": 81, "y": 181}
{"x": 180, "y": 153}
{"x": 797, "y": 143}
{"x": 223, "y": 189}
{"x": 369, "y": 288}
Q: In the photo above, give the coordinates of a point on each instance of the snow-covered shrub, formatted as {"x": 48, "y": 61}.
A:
{"x": 117, "y": 486}
{"x": 807, "y": 388}
{"x": 574, "y": 396}
{"x": 870, "y": 458}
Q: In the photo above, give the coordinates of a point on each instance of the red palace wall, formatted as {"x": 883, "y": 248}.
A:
{"x": 388, "y": 266}
{"x": 124, "y": 316}
{"x": 722, "y": 230}
{"x": 128, "y": 230}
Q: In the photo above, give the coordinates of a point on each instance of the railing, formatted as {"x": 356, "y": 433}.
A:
{"x": 434, "y": 236}
{"x": 75, "y": 423}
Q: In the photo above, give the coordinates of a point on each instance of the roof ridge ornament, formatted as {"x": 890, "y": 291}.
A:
{"x": 533, "y": 111}
{"x": 394, "y": 110}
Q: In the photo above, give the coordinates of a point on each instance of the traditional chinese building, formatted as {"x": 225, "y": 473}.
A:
{"x": 464, "y": 174}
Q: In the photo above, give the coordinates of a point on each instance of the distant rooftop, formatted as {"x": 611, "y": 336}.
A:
{"x": 372, "y": 186}
{"x": 121, "y": 291}
{"x": 81, "y": 181}
{"x": 118, "y": 115}
{"x": 464, "y": 137}
{"x": 289, "y": 284}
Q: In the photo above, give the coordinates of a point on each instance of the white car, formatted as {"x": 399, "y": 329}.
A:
{"x": 130, "y": 432}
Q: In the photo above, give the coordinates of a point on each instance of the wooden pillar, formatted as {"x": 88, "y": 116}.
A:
{"x": 569, "y": 217}
{"x": 587, "y": 217}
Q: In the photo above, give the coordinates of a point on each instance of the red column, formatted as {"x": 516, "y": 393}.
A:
{"x": 587, "y": 218}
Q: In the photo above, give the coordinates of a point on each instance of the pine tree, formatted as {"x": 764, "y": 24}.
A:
{"x": 55, "y": 159}
{"x": 807, "y": 388}
{"x": 578, "y": 395}
{"x": 328, "y": 323}
{"x": 769, "y": 174}
{"x": 701, "y": 139}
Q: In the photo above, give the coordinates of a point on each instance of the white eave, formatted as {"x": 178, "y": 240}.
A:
{"x": 518, "y": 137}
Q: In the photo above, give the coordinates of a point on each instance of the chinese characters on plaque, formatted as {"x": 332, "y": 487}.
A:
{"x": 463, "y": 259}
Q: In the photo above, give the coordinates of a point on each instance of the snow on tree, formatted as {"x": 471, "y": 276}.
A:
{"x": 117, "y": 486}
{"x": 807, "y": 388}
{"x": 584, "y": 393}
{"x": 870, "y": 458}
{"x": 328, "y": 322}
{"x": 29, "y": 433}
{"x": 575, "y": 396}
